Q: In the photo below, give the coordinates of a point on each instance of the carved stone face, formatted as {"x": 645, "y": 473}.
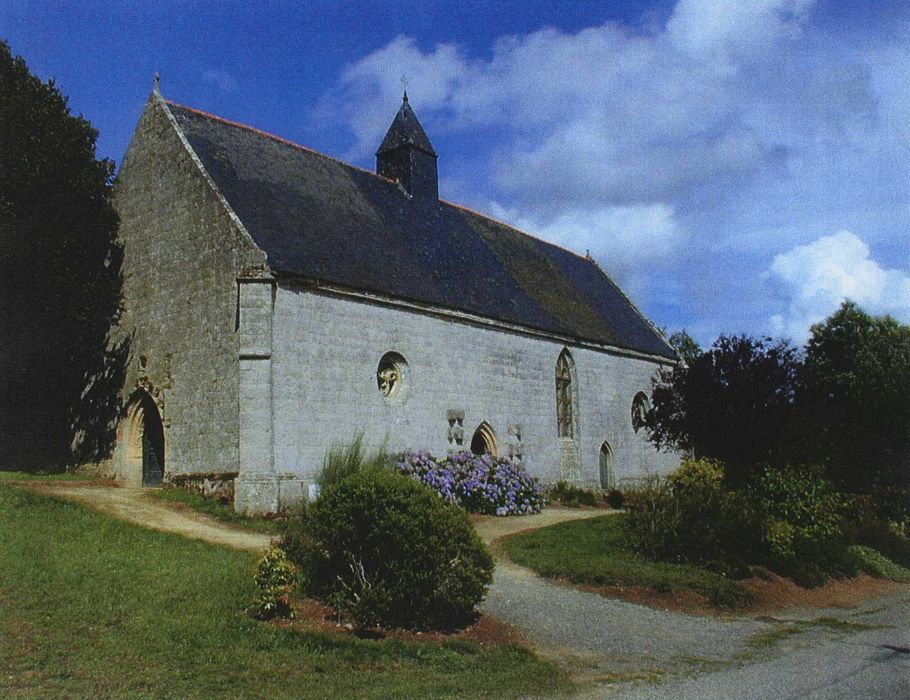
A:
{"x": 391, "y": 374}
{"x": 388, "y": 379}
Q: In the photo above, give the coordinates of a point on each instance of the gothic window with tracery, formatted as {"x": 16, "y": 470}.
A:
{"x": 640, "y": 407}
{"x": 564, "y": 400}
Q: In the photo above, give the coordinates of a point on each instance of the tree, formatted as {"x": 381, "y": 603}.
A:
{"x": 685, "y": 347}
{"x": 733, "y": 402}
{"x": 59, "y": 277}
{"x": 857, "y": 397}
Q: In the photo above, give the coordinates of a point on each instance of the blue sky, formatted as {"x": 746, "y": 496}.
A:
{"x": 735, "y": 166}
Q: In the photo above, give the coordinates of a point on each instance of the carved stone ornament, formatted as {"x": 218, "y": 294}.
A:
{"x": 388, "y": 379}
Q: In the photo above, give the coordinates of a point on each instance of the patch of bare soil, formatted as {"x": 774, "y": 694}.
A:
{"x": 773, "y": 594}
{"x": 486, "y": 631}
{"x": 778, "y": 593}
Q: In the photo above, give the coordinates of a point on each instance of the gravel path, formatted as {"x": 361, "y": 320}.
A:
{"x": 603, "y": 634}
{"x": 868, "y": 658}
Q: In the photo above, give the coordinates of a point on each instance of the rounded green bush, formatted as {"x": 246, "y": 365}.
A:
{"x": 386, "y": 551}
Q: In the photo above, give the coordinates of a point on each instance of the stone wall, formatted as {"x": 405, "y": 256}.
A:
{"x": 215, "y": 487}
{"x": 325, "y": 355}
{"x": 183, "y": 253}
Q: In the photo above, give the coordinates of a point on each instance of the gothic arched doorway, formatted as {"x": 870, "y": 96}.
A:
{"x": 141, "y": 442}
{"x": 484, "y": 440}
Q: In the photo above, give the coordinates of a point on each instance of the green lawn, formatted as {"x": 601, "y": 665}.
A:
{"x": 95, "y": 607}
{"x": 41, "y": 476}
{"x": 593, "y": 551}
{"x": 215, "y": 509}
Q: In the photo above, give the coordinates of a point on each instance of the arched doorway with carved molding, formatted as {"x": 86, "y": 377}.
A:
{"x": 140, "y": 442}
{"x": 484, "y": 440}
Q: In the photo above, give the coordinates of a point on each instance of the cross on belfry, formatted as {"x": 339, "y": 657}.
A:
{"x": 404, "y": 83}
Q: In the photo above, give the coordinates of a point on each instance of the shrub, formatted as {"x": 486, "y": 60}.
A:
{"x": 698, "y": 476}
{"x": 383, "y": 550}
{"x": 569, "y": 494}
{"x": 479, "y": 484}
{"x": 653, "y": 519}
{"x": 790, "y": 521}
{"x": 691, "y": 516}
{"x": 892, "y": 504}
{"x": 884, "y": 537}
{"x": 615, "y": 498}
{"x": 275, "y": 579}
{"x": 802, "y": 513}
{"x": 341, "y": 461}
{"x": 876, "y": 564}
{"x": 803, "y": 525}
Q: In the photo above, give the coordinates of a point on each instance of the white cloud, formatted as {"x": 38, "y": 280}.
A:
{"x": 818, "y": 276}
{"x": 735, "y": 121}
{"x": 370, "y": 89}
{"x": 603, "y": 112}
{"x": 620, "y": 238}
{"x": 719, "y": 29}
{"x": 223, "y": 80}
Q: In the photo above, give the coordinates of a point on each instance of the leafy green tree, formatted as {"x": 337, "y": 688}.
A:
{"x": 857, "y": 398}
{"x": 59, "y": 277}
{"x": 733, "y": 402}
{"x": 685, "y": 346}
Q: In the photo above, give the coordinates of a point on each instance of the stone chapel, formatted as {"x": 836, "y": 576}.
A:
{"x": 279, "y": 302}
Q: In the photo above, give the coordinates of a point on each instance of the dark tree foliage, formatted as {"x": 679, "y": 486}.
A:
{"x": 59, "y": 278}
{"x": 685, "y": 346}
{"x": 733, "y": 402}
{"x": 857, "y": 398}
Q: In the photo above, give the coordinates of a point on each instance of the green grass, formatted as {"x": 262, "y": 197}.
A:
{"x": 770, "y": 638}
{"x": 217, "y": 510}
{"x": 594, "y": 551}
{"x": 95, "y": 607}
{"x": 46, "y": 476}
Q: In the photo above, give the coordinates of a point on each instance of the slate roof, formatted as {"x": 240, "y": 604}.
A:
{"x": 406, "y": 131}
{"x": 321, "y": 219}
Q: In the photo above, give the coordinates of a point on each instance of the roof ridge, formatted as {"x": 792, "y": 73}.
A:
{"x": 274, "y": 137}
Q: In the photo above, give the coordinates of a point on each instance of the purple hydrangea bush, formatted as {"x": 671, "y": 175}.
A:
{"x": 479, "y": 484}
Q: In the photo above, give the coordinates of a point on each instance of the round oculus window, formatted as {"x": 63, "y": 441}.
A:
{"x": 391, "y": 374}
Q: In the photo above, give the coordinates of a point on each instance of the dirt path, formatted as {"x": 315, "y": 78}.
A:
{"x": 491, "y": 528}
{"x": 135, "y": 506}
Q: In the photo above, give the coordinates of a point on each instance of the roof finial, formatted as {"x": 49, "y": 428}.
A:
{"x": 156, "y": 81}
{"x": 404, "y": 84}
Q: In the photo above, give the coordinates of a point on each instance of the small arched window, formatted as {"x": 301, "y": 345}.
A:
{"x": 640, "y": 407}
{"x": 607, "y": 478}
{"x": 565, "y": 406}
